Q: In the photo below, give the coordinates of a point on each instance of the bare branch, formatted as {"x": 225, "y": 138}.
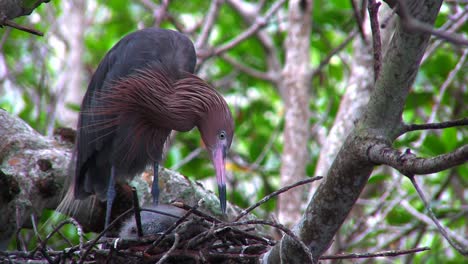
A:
{"x": 446, "y": 83}
{"x": 248, "y": 70}
{"x": 33, "y": 31}
{"x": 359, "y": 19}
{"x": 208, "y": 24}
{"x": 259, "y": 23}
{"x": 373, "y": 8}
{"x": 447, "y": 124}
{"x": 463, "y": 249}
{"x": 274, "y": 194}
{"x": 409, "y": 164}
{"x": 412, "y": 24}
{"x": 391, "y": 253}
{"x": 335, "y": 51}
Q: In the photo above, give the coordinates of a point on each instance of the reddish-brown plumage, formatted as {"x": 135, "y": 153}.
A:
{"x": 158, "y": 102}
{"x": 143, "y": 88}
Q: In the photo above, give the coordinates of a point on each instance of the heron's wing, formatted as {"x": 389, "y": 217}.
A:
{"x": 95, "y": 135}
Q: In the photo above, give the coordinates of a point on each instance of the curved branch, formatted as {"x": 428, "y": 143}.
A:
{"x": 408, "y": 164}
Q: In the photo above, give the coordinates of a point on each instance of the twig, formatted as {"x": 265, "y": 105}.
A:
{"x": 390, "y": 253}
{"x": 275, "y": 193}
{"x": 136, "y": 212}
{"x": 446, "y": 83}
{"x": 198, "y": 213}
{"x": 12, "y": 24}
{"x": 409, "y": 164}
{"x": 208, "y": 24}
{"x": 454, "y": 244}
{"x": 95, "y": 240}
{"x": 169, "y": 252}
{"x": 248, "y": 70}
{"x": 336, "y": 50}
{"x": 259, "y": 23}
{"x": 187, "y": 159}
{"x": 447, "y": 124}
{"x": 172, "y": 227}
{"x": 359, "y": 19}
{"x": 5, "y": 35}
{"x": 443, "y": 89}
{"x": 450, "y": 26}
{"x": 373, "y": 8}
{"x": 279, "y": 226}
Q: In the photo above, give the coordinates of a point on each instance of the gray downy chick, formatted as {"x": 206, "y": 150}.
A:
{"x": 151, "y": 223}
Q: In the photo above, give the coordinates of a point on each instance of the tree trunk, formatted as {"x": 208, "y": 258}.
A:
{"x": 381, "y": 124}
{"x": 295, "y": 90}
{"x": 71, "y": 82}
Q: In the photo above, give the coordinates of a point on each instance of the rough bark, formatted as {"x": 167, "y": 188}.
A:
{"x": 33, "y": 174}
{"x": 356, "y": 97}
{"x": 295, "y": 85}
{"x": 381, "y": 123}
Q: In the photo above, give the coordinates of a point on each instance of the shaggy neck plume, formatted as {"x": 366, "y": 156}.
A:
{"x": 155, "y": 96}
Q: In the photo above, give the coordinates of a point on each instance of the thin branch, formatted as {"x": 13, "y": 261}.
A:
{"x": 169, "y": 252}
{"x": 409, "y": 164}
{"x": 277, "y": 226}
{"x": 463, "y": 249}
{"x": 373, "y": 8}
{"x": 443, "y": 89}
{"x": 173, "y": 226}
{"x": 95, "y": 240}
{"x": 274, "y": 194}
{"x": 187, "y": 159}
{"x": 335, "y": 51}
{"x": 412, "y": 24}
{"x": 447, "y": 124}
{"x": 450, "y": 26}
{"x": 359, "y": 20}
{"x": 259, "y": 23}
{"x": 390, "y": 253}
{"x": 208, "y": 24}
{"x": 12, "y": 24}
{"x": 446, "y": 83}
{"x": 248, "y": 70}
{"x": 244, "y": 9}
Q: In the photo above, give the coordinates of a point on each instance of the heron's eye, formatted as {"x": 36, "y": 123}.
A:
{"x": 222, "y": 135}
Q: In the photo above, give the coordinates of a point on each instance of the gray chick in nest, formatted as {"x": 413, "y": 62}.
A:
{"x": 151, "y": 223}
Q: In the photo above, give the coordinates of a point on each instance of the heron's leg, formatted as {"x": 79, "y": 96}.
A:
{"x": 110, "y": 196}
{"x": 155, "y": 186}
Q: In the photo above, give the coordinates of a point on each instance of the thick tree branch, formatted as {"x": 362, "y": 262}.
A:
{"x": 408, "y": 164}
{"x": 381, "y": 122}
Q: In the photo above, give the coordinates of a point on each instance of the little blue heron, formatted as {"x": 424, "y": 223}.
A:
{"x": 142, "y": 90}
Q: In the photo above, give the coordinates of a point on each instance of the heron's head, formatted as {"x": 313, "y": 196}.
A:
{"x": 217, "y": 130}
